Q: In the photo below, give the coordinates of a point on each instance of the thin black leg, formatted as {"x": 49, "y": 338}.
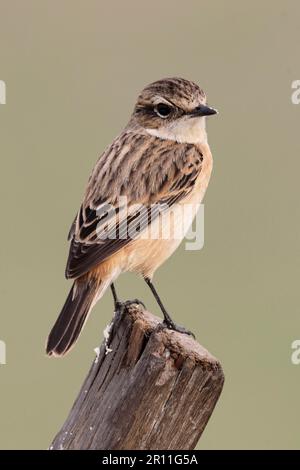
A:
{"x": 119, "y": 304}
{"x": 167, "y": 319}
{"x": 114, "y": 293}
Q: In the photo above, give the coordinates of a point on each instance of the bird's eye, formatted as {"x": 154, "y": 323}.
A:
{"x": 163, "y": 110}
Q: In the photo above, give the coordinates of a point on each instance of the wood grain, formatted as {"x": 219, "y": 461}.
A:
{"x": 156, "y": 389}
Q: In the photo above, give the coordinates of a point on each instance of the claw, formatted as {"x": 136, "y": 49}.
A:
{"x": 127, "y": 303}
{"x": 178, "y": 328}
{"x": 121, "y": 306}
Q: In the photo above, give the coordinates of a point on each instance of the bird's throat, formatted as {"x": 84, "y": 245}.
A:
{"x": 187, "y": 131}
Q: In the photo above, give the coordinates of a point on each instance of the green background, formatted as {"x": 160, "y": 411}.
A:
{"x": 73, "y": 70}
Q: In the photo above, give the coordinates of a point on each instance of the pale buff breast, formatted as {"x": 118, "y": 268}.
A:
{"x": 145, "y": 255}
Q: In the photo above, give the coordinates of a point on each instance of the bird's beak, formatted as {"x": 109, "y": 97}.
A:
{"x": 203, "y": 110}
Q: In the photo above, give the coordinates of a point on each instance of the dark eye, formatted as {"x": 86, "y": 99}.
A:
{"x": 163, "y": 110}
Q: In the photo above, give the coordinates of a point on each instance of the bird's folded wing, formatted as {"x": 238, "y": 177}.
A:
{"x": 149, "y": 178}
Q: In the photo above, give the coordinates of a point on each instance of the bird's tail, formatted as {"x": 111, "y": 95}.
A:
{"x": 73, "y": 316}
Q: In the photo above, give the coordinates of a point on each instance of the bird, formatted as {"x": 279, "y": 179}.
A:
{"x": 160, "y": 163}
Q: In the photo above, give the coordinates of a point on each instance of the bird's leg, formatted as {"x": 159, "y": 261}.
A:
{"x": 167, "y": 319}
{"x": 117, "y": 302}
{"x": 119, "y": 305}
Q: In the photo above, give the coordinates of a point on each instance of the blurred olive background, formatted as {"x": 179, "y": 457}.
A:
{"x": 73, "y": 70}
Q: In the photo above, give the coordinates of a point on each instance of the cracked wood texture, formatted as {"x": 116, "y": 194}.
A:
{"x": 156, "y": 389}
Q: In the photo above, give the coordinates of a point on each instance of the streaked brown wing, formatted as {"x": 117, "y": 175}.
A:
{"x": 170, "y": 177}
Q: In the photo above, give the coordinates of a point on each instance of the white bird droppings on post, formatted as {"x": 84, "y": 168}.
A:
{"x": 106, "y": 333}
{"x": 97, "y": 351}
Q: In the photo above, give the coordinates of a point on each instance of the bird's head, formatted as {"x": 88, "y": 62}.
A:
{"x": 173, "y": 108}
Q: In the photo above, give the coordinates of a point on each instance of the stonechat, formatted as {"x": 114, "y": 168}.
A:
{"x": 160, "y": 163}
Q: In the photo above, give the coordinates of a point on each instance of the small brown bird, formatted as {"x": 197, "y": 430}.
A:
{"x": 160, "y": 163}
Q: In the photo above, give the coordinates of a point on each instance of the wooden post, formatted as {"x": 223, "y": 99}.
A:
{"x": 148, "y": 388}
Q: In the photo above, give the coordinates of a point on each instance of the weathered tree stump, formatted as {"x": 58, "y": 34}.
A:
{"x": 149, "y": 388}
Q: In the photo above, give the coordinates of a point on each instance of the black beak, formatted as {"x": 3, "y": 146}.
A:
{"x": 203, "y": 110}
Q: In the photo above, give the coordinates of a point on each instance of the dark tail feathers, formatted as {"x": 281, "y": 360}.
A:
{"x": 70, "y": 322}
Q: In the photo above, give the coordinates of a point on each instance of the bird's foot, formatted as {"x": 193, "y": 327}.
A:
{"x": 134, "y": 301}
{"x": 121, "y": 306}
{"x": 172, "y": 326}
